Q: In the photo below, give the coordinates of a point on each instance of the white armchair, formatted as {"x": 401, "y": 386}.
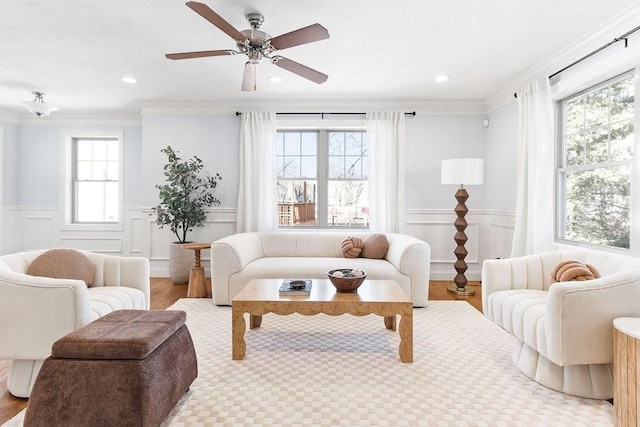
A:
{"x": 564, "y": 329}
{"x": 37, "y": 311}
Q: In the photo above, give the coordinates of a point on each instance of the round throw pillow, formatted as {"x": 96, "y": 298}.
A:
{"x": 571, "y": 270}
{"x": 375, "y": 246}
{"x": 351, "y": 247}
{"x": 63, "y": 264}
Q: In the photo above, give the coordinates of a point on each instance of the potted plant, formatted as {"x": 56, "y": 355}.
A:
{"x": 184, "y": 200}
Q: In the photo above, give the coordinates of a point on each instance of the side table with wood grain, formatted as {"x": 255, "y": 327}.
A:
{"x": 626, "y": 363}
{"x": 197, "y": 284}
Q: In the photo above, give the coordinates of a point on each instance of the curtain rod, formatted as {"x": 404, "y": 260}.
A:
{"x": 412, "y": 113}
{"x": 590, "y": 54}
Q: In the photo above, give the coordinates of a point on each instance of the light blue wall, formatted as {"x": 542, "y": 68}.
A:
{"x": 431, "y": 139}
{"x": 501, "y": 163}
{"x": 32, "y": 163}
{"x": 213, "y": 138}
{"x": 10, "y": 164}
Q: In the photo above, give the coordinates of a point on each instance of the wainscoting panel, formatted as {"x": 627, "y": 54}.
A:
{"x": 24, "y": 228}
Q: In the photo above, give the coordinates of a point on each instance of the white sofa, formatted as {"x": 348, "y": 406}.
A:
{"x": 564, "y": 330}
{"x": 37, "y": 311}
{"x": 238, "y": 258}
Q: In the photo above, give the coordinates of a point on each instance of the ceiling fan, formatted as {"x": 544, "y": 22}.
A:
{"x": 257, "y": 44}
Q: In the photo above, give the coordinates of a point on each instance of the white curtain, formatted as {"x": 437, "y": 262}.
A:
{"x": 386, "y": 136}
{"x": 535, "y": 174}
{"x": 257, "y": 192}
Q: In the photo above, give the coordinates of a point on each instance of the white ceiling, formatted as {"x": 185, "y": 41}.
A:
{"x": 77, "y": 50}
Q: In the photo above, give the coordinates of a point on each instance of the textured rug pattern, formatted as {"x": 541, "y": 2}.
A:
{"x": 345, "y": 371}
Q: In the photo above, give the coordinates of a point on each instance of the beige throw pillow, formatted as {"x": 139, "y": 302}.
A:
{"x": 375, "y": 246}
{"x": 63, "y": 264}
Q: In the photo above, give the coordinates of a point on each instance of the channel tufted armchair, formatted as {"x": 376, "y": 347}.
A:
{"x": 37, "y": 311}
{"x": 564, "y": 330}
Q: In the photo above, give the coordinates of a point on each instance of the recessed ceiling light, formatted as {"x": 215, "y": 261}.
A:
{"x": 129, "y": 79}
{"x": 442, "y": 78}
{"x": 275, "y": 79}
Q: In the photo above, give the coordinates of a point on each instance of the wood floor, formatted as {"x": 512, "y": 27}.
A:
{"x": 163, "y": 294}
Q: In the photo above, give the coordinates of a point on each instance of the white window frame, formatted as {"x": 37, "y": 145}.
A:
{"x": 66, "y": 188}
{"x": 323, "y": 127}
{"x": 567, "y": 91}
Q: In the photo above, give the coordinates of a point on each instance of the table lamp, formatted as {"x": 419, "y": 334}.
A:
{"x": 461, "y": 172}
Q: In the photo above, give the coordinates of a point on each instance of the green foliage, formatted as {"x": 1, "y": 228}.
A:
{"x": 599, "y": 142}
{"x": 185, "y": 197}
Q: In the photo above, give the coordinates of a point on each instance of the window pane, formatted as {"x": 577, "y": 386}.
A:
{"x": 291, "y": 167}
{"x": 336, "y": 167}
{"x": 84, "y": 149}
{"x": 336, "y": 143}
{"x": 310, "y": 143}
{"x": 296, "y": 203}
{"x": 90, "y": 202}
{"x": 597, "y": 108}
{"x": 353, "y": 167}
{"x": 112, "y": 171}
{"x": 348, "y": 203}
{"x": 113, "y": 150}
{"x": 100, "y": 150}
{"x": 574, "y": 115}
{"x": 621, "y": 145}
{"x": 597, "y": 206}
{"x": 575, "y": 149}
{"x": 309, "y": 167}
{"x": 597, "y": 146}
{"x": 622, "y": 94}
{"x": 292, "y": 144}
{"x": 111, "y": 207}
{"x": 99, "y": 170}
{"x": 84, "y": 170}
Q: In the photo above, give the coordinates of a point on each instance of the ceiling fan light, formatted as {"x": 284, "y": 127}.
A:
{"x": 38, "y": 106}
{"x": 250, "y": 77}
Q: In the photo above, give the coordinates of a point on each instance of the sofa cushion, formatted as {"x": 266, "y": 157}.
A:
{"x": 352, "y": 247}
{"x": 63, "y": 264}
{"x": 375, "y": 246}
{"x": 572, "y": 270}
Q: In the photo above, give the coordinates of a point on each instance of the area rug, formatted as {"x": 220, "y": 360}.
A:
{"x": 345, "y": 371}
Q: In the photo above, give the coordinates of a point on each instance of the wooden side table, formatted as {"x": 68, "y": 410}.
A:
{"x": 626, "y": 364}
{"x": 197, "y": 286}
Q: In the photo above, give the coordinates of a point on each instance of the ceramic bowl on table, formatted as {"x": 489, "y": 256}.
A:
{"x": 347, "y": 279}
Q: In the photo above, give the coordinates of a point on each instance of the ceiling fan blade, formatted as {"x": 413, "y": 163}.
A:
{"x": 200, "y": 54}
{"x": 312, "y": 33}
{"x": 250, "y": 77}
{"x": 301, "y": 70}
{"x": 217, "y": 20}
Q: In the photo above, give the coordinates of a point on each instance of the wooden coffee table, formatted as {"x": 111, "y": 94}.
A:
{"x": 382, "y": 297}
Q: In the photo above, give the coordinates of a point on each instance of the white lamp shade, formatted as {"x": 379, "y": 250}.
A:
{"x": 39, "y": 108}
{"x": 249, "y": 79}
{"x": 462, "y": 172}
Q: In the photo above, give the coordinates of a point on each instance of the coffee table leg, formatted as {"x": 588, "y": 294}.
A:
{"x": 390, "y": 322}
{"x": 406, "y": 337}
{"x": 238, "y": 327}
{"x": 254, "y": 321}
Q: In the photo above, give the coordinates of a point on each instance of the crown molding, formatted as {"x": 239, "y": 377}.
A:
{"x": 308, "y": 106}
{"x": 624, "y": 21}
{"x": 9, "y": 118}
{"x": 82, "y": 120}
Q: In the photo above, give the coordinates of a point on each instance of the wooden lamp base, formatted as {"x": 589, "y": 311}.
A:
{"x": 460, "y": 252}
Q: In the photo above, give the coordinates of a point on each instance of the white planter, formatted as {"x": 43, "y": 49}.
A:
{"x": 180, "y": 262}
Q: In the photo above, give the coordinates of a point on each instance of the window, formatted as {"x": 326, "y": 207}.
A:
{"x": 93, "y": 186}
{"x": 322, "y": 178}
{"x": 595, "y": 163}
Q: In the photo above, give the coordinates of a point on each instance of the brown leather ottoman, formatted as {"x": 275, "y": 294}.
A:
{"x": 128, "y": 368}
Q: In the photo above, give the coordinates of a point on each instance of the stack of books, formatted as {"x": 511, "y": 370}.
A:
{"x": 295, "y": 287}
